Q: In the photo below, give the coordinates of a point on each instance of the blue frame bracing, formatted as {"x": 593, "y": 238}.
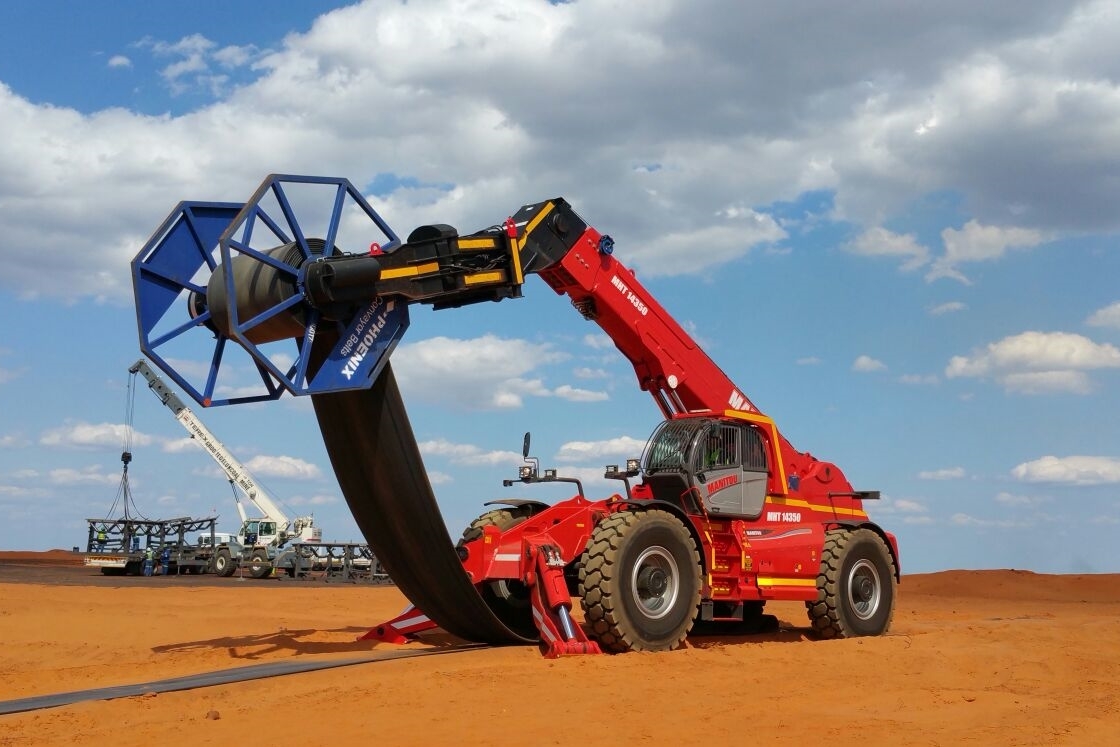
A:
{"x": 186, "y": 241}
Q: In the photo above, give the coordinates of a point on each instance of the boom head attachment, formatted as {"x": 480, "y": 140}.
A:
{"x": 215, "y": 272}
{"x": 308, "y": 260}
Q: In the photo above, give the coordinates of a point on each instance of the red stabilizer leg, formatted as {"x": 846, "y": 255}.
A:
{"x": 560, "y": 636}
{"x": 401, "y": 628}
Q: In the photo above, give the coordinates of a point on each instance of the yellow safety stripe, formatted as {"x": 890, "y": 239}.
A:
{"x": 489, "y": 243}
{"x": 772, "y": 432}
{"x": 393, "y": 273}
{"x": 484, "y": 277}
{"x": 515, "y": 244}
{"x": 785, "y": 581}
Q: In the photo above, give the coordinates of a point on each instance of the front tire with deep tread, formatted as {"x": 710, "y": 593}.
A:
{"x": 639, "y": 582}
{"x": 855, "y": 586}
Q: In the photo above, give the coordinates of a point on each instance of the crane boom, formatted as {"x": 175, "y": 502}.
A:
{"x": 237, "y": 473}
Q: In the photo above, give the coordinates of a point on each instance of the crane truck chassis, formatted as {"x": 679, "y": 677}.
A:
{"x": 725, "y": 514}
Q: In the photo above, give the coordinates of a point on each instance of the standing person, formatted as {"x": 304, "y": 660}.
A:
{"x": 149, "y": 559}
{"x": 164, "y": 560}
{"x": 102, "y": 538}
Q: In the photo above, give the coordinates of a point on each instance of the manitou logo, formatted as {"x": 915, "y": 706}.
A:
{"x": 361, "y": 343}
{"x": 721, "y": 483}
{"x": 738, "y": 401}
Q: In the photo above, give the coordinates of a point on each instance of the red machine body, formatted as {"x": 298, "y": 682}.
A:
{"x": 767, "y": 521}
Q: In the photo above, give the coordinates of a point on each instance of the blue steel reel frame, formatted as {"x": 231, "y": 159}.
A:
{"x": 185, "y": 241}
{"x": 164, "y": 268}
{"x": 393, "y": 318}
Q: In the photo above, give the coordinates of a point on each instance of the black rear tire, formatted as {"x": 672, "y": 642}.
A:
{"x": 508, "y": 599}
{"x": 639, "y": 582}
{"x": 855, "y": 586}
{"x": 223, "y": 563}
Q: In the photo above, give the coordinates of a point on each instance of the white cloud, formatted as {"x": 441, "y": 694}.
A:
{"x": 7, "y": 374}
{"x": 13, "y": 441}
{"x": 488, "y": 371}
{"x": 92, "y": 475}
{"x": 292, "y": 468}
{"x": 1015, "y": 117}
{"x": 584, "y": 372}
{"x": 977, "y": 243}
{"x": 119, "y": 60}
{"x": 879, "y": 242}
{"x": 572, "y": 394}
{"x": 1109, "y": 316}
{"x": 622, "y": 448}
{"x": 81, "y": 435}
{"x": 598, "y": 341}
{"x": 1012, "y": 499}
{"x": 867, "y": 364}
{"x": 467, "y": 454}
{"x": 950, "y": 307}
{"x": 948, "y": 473}
{"x": 1037, "y": 362}
{"x": 1071, "y": 470}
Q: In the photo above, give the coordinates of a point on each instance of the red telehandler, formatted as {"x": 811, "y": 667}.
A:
{"x": 720, "y": 514}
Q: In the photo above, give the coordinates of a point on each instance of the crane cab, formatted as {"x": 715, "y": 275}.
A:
{"x": 707, "y": 465}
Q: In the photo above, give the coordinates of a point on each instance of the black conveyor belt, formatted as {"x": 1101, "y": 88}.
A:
{"x": 379, "y": 468}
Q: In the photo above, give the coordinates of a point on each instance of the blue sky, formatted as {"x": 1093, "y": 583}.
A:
{"x": 894, "y": 228}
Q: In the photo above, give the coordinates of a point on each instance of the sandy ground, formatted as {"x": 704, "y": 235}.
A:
{"x": 974, "y": 657}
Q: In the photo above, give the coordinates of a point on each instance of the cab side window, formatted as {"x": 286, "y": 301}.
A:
{"x": 754, "y": 451}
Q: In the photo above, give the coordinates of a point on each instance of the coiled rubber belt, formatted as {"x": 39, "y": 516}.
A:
{"x": 375, "y": 457}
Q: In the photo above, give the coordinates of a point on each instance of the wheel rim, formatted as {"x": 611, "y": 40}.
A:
{"x": 865, "y": 590}
{"x": 655, "y": 582}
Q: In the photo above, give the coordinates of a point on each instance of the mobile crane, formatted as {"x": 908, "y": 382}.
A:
{"x": 263, "y": 541}
{"x": 726, "y": 516}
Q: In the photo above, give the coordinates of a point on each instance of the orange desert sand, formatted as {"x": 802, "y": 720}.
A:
{"x": 973, "y": 657}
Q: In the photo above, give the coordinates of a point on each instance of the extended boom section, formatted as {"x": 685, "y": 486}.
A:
{"x": 724, "y": 514}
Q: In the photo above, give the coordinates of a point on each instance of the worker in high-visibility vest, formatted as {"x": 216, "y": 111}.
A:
{"x": 149, "y": 561}
{"x": 102, "y": 538}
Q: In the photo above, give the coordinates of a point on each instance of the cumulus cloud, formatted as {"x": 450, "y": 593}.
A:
{"x": 119, "y": 60}
{"x": 1109, "y": 316}
{"x": 82, "y": 435}
{"x": 467, "y": 454}
{"x": 1071, "y": 470}
{"x": 622, "y": 447}
{"x": 1014, "y": 115}
{"x": 292, "y": 468}
{"x": 867, "y": 364}
{"x": 879, "y": 242}
{"x": 977, "y": 243}
{"x": 489, "y": 372}
{"x": 1037, "y": 362}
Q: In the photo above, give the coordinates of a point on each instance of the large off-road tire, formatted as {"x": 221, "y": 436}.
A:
{"x": 855, "y": 586}
{"x": 259, "y": 565}
{"x": 509, "y": 599}
{"x": 639, "y": 582}
{"x": 223, "y": 563}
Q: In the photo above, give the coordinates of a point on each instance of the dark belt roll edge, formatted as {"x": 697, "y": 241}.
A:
{"x": 378, "y": 465}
